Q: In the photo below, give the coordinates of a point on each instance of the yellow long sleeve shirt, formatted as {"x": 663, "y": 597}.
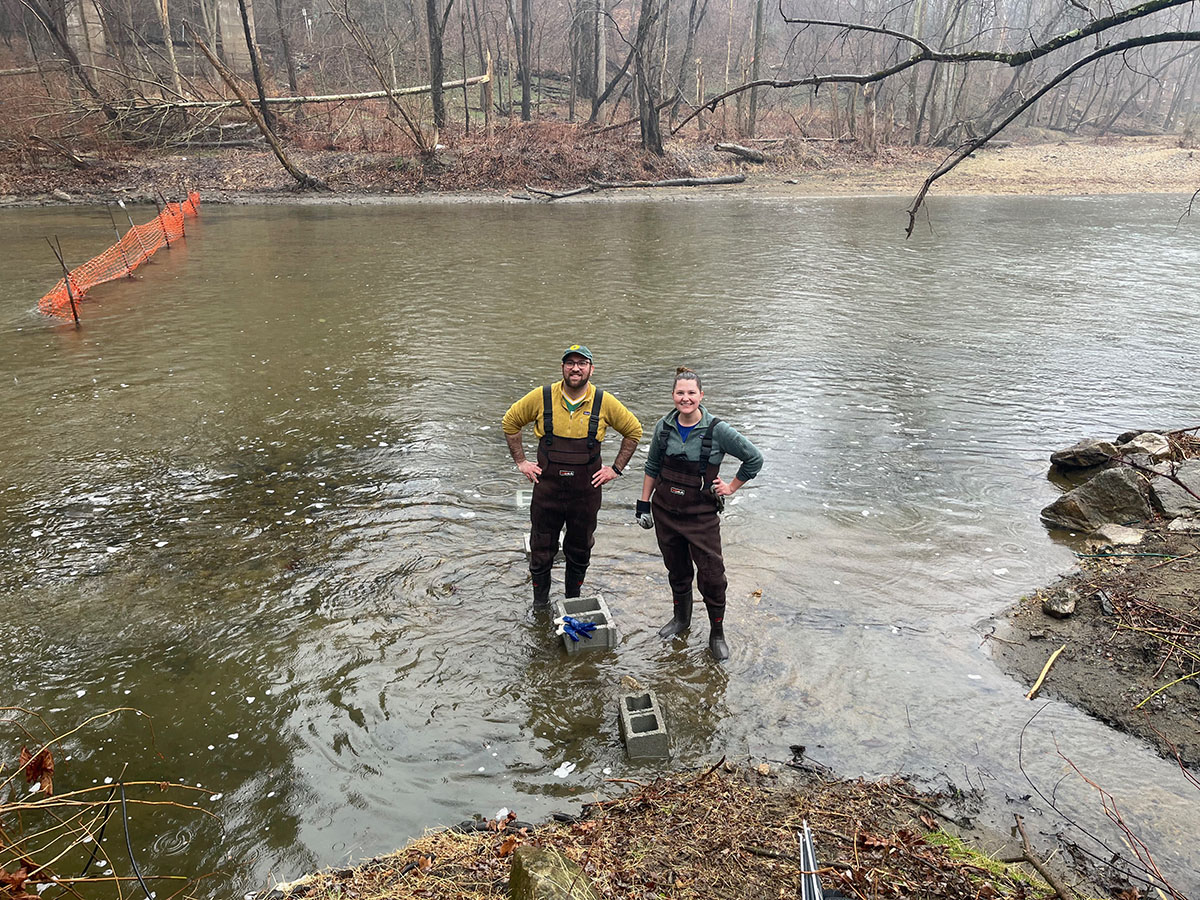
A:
{"x": 613, "y": 414}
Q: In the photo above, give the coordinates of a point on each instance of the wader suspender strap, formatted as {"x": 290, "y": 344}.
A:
{"x": 594, "y": 421}
{"x": 705, "y": 448}
{"x": 548, "y": 416}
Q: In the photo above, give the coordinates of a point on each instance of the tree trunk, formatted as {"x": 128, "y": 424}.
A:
{"x": 688, "y": 66}
{"x": 756, "y": 66}
{"x": 647, "y": 83}
{"x": 286, "y": 43}
{"x": 435, "y": 20}
{"x": 525, "y": 46}
{"x": 255, "y": 70}
{"x": 601, "y": 54}
{"x": 164, "y": 18}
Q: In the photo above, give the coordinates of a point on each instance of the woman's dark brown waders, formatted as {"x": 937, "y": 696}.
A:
{"x": 689, "y": 534}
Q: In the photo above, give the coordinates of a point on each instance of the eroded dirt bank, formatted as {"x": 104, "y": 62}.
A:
{"x": 1132, "y": 645}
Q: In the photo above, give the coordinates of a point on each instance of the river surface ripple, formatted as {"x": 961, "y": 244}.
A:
{"x": 263, "y": 496}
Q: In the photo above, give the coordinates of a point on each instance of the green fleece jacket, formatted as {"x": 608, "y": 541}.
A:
{"x": 726, "y": 439}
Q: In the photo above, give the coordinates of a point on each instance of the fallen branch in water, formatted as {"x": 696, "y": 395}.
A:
{"x": 595, "y": 186}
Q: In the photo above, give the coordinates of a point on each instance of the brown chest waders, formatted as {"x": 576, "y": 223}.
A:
{"x": 689, "y": 537}
{"x": 564, "y": 497}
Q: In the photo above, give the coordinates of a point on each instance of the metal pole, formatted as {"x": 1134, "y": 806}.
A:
{"x": 66, "y": 278}
{"x": 138, "y": 234}
{"x": 162, "y": 226}
{"x": 167, "y": 207}
{"x": 117, "y": 232}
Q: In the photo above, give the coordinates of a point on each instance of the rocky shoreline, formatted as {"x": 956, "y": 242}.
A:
{"x": 1129, "y": 619}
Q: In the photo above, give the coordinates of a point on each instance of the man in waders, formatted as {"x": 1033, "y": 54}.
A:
{"x": 569, "y": 420}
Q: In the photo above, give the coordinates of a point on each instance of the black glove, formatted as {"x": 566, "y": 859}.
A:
{"x": 643, "y": 514}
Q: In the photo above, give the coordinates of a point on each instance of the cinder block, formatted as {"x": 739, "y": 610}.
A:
{"x": 643, "y": 726}
{"x": 588, "y": 609}
{"x": 558, "y": 557}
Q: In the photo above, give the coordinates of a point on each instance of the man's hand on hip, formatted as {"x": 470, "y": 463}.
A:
{"x": 603, "y": 475}
{"x": 530, "y": 470}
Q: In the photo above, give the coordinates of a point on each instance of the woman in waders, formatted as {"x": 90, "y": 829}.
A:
{"x": 682, "y": 475}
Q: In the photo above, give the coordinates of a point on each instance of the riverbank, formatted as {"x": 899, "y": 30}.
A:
{"x": 1132, "y": 646}
{"x": 557, "y": 157}
{"x": 728, "y": 831}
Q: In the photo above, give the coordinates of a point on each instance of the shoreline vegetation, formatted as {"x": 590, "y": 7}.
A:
{"x": 522, "y": 162}
{"x": 728, "y": 831}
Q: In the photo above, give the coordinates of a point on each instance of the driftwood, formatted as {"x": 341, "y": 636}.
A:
{"x": 306, "y": 181}
{"x": 596, "y": 186}
{"x": 144, "y": 103}
{"x": 743, "y": 152}
{"x": 1027, "y": 856}
{"x": 77, "y": 161}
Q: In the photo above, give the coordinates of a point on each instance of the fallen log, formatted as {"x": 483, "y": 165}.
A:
{"x": 595, "y": 186}
{"x": 46, "y": 65}
{"x": 143, "y": 103}
{"x": 77, "y": 161}
{"x": 744, "y": 152}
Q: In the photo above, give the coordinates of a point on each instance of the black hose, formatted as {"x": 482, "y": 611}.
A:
{"x": 129, "y": 843}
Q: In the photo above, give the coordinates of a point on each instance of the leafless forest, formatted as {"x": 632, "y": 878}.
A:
{"x": 399, "y": 75}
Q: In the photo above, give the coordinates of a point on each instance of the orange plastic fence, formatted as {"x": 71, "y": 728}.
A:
{"x": 136, "y": 246}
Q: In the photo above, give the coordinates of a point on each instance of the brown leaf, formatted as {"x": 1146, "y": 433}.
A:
{"x": 927, "y": 821}
{"x": 38, "y": 768}
{"x": 1130, "y": 893}
{"x": 866, "y": 839}
{"x": 507, "y": 846}
{"x": 14, "y": 881}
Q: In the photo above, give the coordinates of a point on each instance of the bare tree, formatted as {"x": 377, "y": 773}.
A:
{"x": 436, "y": 19}
{"x": 1109, "y": 34}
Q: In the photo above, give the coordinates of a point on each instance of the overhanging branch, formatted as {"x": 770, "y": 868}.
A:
{"x": 974, "y": 144}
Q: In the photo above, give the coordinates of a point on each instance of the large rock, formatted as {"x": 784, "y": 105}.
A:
{"x": 1170, "y": 499}
{"x": 1130, "y": 435}
{"x": 1150, "y": 443}
{"x": 1113, "y": 535}
{"x": 1115, "y": 495}
{"x": 542, "y": 874}
{"x": 1087, "y": 453}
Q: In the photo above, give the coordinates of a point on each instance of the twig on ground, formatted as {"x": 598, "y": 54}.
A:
{"x": 1060, "y": 889}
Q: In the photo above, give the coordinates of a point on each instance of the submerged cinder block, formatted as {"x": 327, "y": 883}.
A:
{"x": 643, "y": 726}
{"x": 558, "y": 557}
{"x": 588, "y": 609}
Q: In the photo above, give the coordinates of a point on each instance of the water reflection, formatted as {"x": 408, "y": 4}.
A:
{"x": 263, "y": 493}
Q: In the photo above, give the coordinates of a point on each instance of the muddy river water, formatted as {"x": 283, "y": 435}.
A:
{"x": 263, "y": 497}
